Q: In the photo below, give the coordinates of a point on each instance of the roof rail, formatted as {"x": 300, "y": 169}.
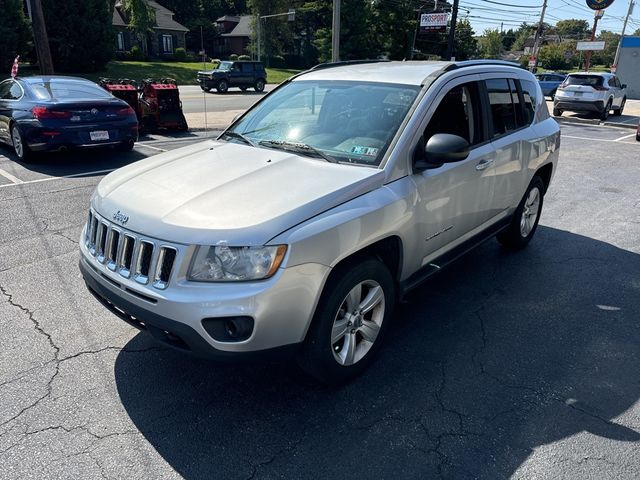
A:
{"x": 473, "y": 63}
{"x": 322, "y": 66}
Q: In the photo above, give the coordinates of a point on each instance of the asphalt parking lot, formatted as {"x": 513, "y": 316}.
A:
{"x": 504, "y": 365}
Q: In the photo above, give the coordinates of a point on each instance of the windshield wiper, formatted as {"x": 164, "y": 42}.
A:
{"x": 239, "y": 136}
{"x": 298, "y": 147}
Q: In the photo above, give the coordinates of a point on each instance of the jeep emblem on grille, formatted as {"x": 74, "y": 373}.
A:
{"x": 120, "y": 217}
{"x": 94, "y": 111}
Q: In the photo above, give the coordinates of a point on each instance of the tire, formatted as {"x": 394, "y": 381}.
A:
{"x": 126, "y": 146}
{"x": 21, "y": 149}
{"x": 259, "y": 85}
{"x": 205, "y": 89}
{"x": 557, "y": 112}
{"x": 605, "y": 113}
{"x": 525, "y": 219}
{"x": 637, "y": 137}
{"x": 553, "y": 95}
{"x": 222, "y": 86}
{"x": 335, "y": 349}
{"x": 619, "y": 111}
{"x": 244, "y": 89}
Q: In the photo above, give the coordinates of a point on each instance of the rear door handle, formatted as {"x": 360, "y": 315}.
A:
{"x": 483, "y": 164}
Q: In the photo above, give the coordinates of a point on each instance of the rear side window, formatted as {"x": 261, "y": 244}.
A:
{"x": 247, "y": 67}
{"x": 503, "y": 110}
{"x": 585, "y": 80}
{"x": 529, "y": 95}
{"x": 63, "y": 90}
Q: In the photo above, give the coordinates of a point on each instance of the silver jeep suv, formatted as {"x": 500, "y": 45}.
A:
{"x": 300, "y": 227}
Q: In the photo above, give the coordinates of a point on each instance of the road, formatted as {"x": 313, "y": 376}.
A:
{"x": 193, "y": 99}
{"x": 504, "y": 365}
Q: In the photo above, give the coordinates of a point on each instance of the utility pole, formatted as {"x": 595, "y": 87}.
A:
{"x": 335, "y": 32}
{"x": 452, "y": 31}
{"x": 587, "y": 57}
{"x": 538, "y": 37}
{"x": 259, "y": 35}
{"x": 624, "y": 28}
{"x": 40, "y": 38}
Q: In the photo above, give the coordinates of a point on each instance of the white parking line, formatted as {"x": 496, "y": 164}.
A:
{"x": 150, "y": 147}
{"x": 625, "y": 137}
{"x": 49, "y": 179}
{"x": 594, "y": 139}
{"x": 11, "y": 178}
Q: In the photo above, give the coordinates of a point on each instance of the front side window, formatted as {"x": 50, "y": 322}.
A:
{"x": 457, "y": 114}
{"x": 352, "y": 122}
{"x": 5, "y": 87}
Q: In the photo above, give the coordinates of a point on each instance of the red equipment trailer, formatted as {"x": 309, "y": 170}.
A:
{"x": 160, "y": 105}
{"x": 124, "y": 89}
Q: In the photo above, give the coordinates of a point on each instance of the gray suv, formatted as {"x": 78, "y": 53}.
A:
{"x": 300, "y": 227}
{"x": 241, "y": 74}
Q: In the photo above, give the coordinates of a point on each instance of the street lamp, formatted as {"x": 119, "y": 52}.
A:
{"x": 291, "y": 16}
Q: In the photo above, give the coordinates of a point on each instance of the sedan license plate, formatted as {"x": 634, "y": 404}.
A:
{"x": 99, "y": 135}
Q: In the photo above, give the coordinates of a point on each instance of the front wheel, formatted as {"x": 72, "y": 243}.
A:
{"x": 205, "y": 89}
{"x": 619, "y": 111}
{"x": 525, "y": 219}
{"x": 553, "y": 95}
{"x": 605, "y": 113}
{"x": 223, "y": 86}
{"x": 22, "y": 150}
{"x": 557, "y": 112}
{"x": 349, "y": 324}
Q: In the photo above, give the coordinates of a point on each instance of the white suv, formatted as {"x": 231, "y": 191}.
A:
{"x": 299, "y": 228}
{"x": 590, "y": 92}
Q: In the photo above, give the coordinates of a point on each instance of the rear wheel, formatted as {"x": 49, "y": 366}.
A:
{"x": 350, "y": 321}
{"x": 637, "y": 137}
{"x": 619, "y": 111}
{"x": 259, "y": 85}
{"x": 223, "y": 86}
{"x": 22, "y": 150}
{"x": 557, "y": 112}
{"x": 525, "y": 219}
{"x": 126, "y": 146}
{"x": 605, "y": 113}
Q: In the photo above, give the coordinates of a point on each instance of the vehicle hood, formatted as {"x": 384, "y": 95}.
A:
{"x": 216, "y": 191}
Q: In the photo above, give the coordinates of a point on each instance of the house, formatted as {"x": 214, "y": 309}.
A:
{"x": 529, "y": 43}
{"x": 235, "y": 35}
{"x": 167, "y": 34}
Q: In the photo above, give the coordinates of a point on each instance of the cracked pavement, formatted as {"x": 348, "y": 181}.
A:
{"x": 505, "y": 365}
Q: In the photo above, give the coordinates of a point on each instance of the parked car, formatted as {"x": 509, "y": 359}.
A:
{"x": 549, "y": 82}
{"x": 638, "y": 132}
{"x": 241, "y": 74}
{"x": 591, "y": 92}
{"x": 57, "y": 113}
{"x": 299, "y": 228}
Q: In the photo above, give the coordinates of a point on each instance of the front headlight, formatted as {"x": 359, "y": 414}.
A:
{"x": 221, "y": 263}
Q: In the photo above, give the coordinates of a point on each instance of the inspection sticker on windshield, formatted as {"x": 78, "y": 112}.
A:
{"x": 369, "y": 151}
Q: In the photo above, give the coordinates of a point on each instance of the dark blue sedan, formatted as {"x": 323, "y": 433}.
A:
{"x": 57, "y": 113}
{"x": 549, "y": 82}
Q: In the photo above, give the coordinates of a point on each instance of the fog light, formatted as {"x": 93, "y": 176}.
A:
{"x": 230, "y": 329}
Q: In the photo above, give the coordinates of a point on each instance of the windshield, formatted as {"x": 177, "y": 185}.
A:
{"x": 586, "y": 80}
{"x": 225, "y": 66}
{"x": 348, "y": 121}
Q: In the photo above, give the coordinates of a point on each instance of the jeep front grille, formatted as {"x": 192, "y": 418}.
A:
{"x": 128, "y": 254}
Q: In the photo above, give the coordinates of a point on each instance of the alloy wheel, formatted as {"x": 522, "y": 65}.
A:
{"x": 17, "y": 141}
{"x": 530, "y": 212}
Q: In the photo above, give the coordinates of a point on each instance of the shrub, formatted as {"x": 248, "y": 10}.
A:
{"x": 180, "y": 55}
{"x": 136, "y": 53}
{"x": 233, "y": 57}
{"x": 244, "y": 57}
{"x": 276, "y": 61}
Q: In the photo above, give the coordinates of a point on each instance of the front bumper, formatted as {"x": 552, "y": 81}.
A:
{"x": 578, "y": 106}
{"x": 281, "y": 307}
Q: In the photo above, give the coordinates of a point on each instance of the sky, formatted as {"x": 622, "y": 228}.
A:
{"x": 485, "y": 14}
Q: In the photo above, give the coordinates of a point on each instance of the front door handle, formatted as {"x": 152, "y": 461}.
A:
{"x": 487, "y": 162}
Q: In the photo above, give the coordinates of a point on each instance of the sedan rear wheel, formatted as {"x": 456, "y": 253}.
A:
{"x": 19, "y": 146}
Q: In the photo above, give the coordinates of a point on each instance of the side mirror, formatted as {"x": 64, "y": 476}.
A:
{"x": 443, "y": 148}
{"x": 624, "y": 85}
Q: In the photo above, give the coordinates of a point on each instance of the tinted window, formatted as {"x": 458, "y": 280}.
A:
{"x": 529, "y": 95}
{"x": 4, "y": 88}
{"x": 503, "y": 110}
{"x": 457, "y": 114}
{"x": 10, "y": 90}
{"x": 15, "y": 92}
{"x": 587, "y": 80}
{"x": 247, "y": 67}
{"x": 67, "y": 90}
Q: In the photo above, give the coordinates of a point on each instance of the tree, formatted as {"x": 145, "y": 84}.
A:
{"x": 395, "y": 25}
{"x": 80, "y": 34}
{"x": 573, "y": 28}
{"x": 15, "y": 34}
{"x": 557, "y": 56}
{"x": 524, "y": 32}
{"x": 491, "y": 43}
{"x": 141, "y": 19}
{"x": 606, "y": 56}
{"x": 466, "y": 46}
{"x": 636, "y": 33}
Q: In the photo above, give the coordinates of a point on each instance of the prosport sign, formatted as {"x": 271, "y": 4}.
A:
{"x": 599, "y": 4}
{"x": 433, "y": 22}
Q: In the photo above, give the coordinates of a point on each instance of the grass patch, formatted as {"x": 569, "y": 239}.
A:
{"x": 183, "y": 72}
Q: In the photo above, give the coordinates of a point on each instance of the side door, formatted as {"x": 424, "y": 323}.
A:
{"x": 6, "y": 105}
{"x": 509, "y": 123}
{"x": 454, "y": 199}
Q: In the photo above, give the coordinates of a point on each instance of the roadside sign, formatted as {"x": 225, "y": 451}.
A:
{"x": 201, "y": 52}
{"x": 433, "y": 22}
{"x": 590, "y": 46}
{"x": 599, "y": 4}
{"x": 532, "y": 61}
